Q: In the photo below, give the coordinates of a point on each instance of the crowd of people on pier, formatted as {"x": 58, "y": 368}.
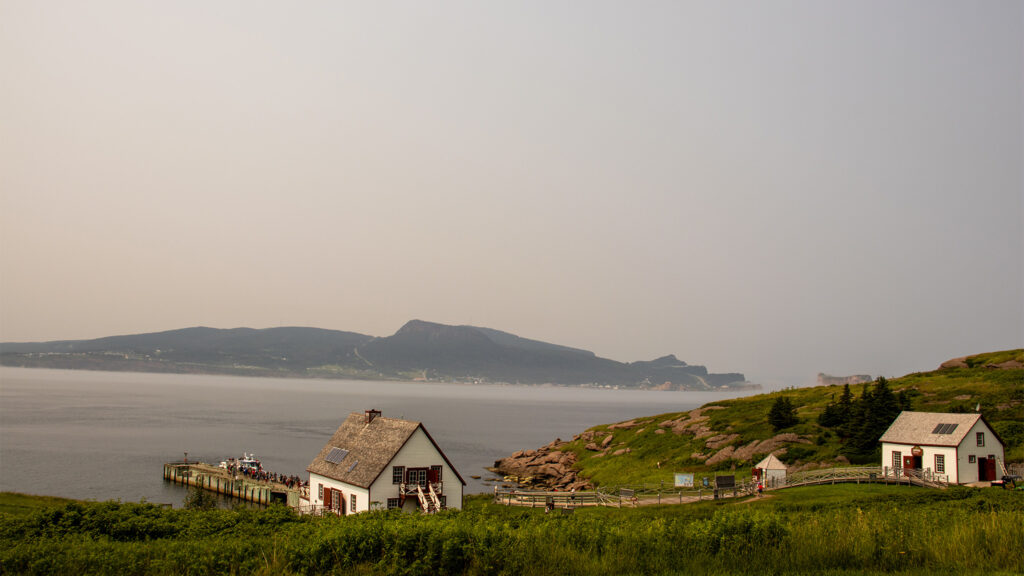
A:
{"x": 252, "y": 468}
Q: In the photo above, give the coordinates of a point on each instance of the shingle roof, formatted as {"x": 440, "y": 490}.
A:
{"x": 771, "y": 463}
{"x": 371, "y": 446}
{"x": 918, "y": 427}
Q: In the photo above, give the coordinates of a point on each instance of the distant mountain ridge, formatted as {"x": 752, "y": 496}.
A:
{"x": 419, "y": 350}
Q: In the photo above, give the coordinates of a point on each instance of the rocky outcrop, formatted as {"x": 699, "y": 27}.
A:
{"x": 774, "y": 445}
{"x": 962, "y": 363}
{"x": 694, "y": 422}
{"x": 547, "y": 467}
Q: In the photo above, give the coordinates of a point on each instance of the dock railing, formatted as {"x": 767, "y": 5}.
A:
{"x": 218, "y": 480}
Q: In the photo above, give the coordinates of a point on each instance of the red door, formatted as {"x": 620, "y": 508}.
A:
{"x": 986, "y": 469}
{"x": 908, "y": 464}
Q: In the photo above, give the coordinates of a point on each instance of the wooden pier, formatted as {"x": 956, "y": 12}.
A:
{"x": 218, "y": 480}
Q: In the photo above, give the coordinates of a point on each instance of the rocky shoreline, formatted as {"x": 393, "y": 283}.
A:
{"x": 548, "y": 467}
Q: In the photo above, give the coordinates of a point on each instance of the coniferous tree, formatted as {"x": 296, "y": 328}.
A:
{"x": 877, "y": 410}
{"x": 782, "y": 414}
{"x": 837, "y": 414}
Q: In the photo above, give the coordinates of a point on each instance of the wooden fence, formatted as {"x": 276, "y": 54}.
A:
{"x": 865, "y": 474}
{"x": 618, "y": 497}
{"x": 643, "y": 494}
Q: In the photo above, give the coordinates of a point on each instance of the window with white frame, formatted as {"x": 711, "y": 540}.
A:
{"x": 320, "y": 492}
{"x": 392, "y": 503}
{"x": 972, "y": 459}
{"x": 940, "y": 464}
{"x": 352, "y": 503}
{"x": 397, "y": 474}
{"x": 981, "y": 438}
{"x": 897, "y": 459}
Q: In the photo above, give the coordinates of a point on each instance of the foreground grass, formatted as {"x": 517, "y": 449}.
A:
{"x": 823, "y": 530}
{"x": 13, "y": 504}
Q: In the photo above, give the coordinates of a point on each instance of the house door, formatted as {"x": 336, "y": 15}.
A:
{"x": 908, "y": 464}
{"x": 986, "y": 469}
{"x": 339, "y": 502}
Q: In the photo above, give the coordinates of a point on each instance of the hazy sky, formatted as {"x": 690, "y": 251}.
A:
{"x": 778, "y": 188}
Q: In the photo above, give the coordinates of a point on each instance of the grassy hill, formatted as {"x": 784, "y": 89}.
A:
{"x": 735, "y": 434}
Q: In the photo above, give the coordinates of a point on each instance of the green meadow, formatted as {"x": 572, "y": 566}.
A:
{"x": 842, "y": 529}
{"x": 653, "y": 457}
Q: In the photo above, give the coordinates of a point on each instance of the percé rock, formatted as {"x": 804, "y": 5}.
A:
{"x": 826, "y": 380}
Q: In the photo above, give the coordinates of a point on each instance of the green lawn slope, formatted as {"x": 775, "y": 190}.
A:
{"x": 650, "y": 449}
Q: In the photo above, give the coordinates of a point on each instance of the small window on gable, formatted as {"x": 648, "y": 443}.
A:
{"x": 981, "y": 438}
{"x": 397, "y": 474}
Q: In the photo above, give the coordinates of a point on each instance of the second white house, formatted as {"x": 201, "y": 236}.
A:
{"x": 963, "y": 448}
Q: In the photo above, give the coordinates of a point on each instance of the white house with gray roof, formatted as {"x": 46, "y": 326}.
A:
{"x": 372, "y": 462}
{"x": 961, "y": 447}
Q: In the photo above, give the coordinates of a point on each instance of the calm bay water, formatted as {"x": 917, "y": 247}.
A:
{"x": 106, "y": 435}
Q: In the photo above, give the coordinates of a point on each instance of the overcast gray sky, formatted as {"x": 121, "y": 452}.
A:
{"x": 778, "y": 188}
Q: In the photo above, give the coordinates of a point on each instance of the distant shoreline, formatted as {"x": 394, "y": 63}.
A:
{"x": 157, "y": 367}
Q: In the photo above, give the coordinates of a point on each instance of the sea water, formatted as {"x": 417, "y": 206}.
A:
{"x": 105, "y": 435}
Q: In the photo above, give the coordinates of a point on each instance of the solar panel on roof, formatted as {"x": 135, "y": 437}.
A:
{"x": 944, "y": 428}
{"x": 353, "y": 466}
{"x": 336, "y": 455}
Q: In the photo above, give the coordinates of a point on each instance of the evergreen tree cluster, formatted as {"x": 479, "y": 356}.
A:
{"x": 782, "y": 414}
{"x": 860, "y": 422}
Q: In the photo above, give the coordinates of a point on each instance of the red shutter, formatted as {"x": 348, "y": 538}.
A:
{"x": 327, "y": 498}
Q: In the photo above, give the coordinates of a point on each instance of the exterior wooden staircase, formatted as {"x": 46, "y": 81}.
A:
{"x": 430, "y": 502}
{"x": 434, "y": 498}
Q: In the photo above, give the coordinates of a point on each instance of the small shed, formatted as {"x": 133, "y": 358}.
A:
{"x": 771, "y": 471}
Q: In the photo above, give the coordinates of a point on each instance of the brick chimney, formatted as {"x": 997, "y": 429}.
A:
{"x": 371, "y": 414}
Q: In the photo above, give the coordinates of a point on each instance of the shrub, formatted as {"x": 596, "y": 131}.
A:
{"x": 199, "y": 499}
